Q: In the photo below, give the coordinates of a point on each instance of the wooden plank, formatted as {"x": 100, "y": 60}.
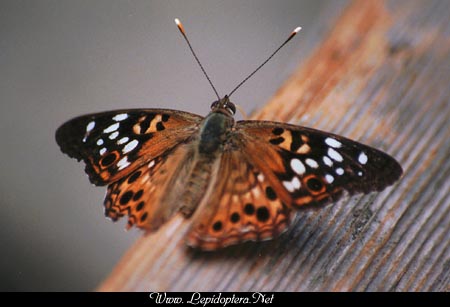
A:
{"x": 380, "y": 76}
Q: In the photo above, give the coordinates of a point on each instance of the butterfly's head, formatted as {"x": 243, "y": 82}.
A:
{"x": 224, "y": 105}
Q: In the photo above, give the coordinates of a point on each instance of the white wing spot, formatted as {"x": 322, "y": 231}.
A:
{"x": 85, "y": 139}
{"x": 327, "y": 161}
{"x": 112, "y": 128}
{"x": 296, "y": 183}
{"x": 120, "y": 117}
{"x": 333, "y": 143}
{"x": 123, "y": 163}
{"x": 99, "y": 142}
{"x": 260, "y": 177}
{"x": 113, "y": 135}
{"x": 90, "y": 126}
{"x": 297, "y": 166}
{"x": 362, "y": 158}
{"x": 130, "y": 146}
{"x": 340, "y": 171}
{"x": 359, "y": 173}
{"x": 122, "y": 140}
{"x": 292, "y": 185}
{"x": 289, "y": 186}
{"x": 312, "y": 163}
{"x": 329, "y": 178}
{"x": 335, "y": 155}
{"x": 151, "y": 164}
{"x": 102, "y": 151}
{"x": 256, "y": 192}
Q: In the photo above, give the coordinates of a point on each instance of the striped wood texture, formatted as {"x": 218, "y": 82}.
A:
{"x": 380, "y": 74}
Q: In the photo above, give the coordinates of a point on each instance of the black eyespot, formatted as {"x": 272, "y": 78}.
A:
{"x": 126, "y": 197}
{"x": 138, "y": 195}
{"x": 249, "y": 209}
{"x": 235, "y": 217}
{"x": 134, "y": 177}
{"x": 270, "y": 193}
{"x": 108, "y": 159}
{"x": 314, "y": 184}
{"x": 278, "y": 131}
{"x": 140, "y": 206}
{"x": 217, "y": 226}
{"x": 144, "y": 216}
{"x": 277, "y": 141}
{"x": 262, "y": 214}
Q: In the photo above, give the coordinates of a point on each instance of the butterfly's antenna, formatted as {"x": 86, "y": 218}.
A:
{"x": 296, "y": 30}
{"x": 181, "y": 28}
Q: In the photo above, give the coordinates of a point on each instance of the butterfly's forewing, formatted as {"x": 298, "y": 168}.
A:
{"x": 113, "y": 144}
{"x": 241, "y": 205}
{"x": 315, "y": 167}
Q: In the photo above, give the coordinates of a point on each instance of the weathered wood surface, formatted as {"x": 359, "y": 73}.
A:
{"x": 381, "y": 76}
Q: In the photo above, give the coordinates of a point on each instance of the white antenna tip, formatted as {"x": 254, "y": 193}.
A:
{"x": 179, "y": 25}
{"x": 297, "y": 29}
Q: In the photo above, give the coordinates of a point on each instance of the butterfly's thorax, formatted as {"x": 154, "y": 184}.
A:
{"x": 213, "y": 132}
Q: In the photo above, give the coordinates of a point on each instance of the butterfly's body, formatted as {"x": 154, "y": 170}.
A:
{"x": 201, "y": 155}
{"x": 236, "y": 181}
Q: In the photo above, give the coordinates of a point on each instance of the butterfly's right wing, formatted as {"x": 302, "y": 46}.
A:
{"x": 113, "y": 144}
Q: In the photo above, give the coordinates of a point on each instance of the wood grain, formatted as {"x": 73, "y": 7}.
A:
{"x": 380, "y": 75}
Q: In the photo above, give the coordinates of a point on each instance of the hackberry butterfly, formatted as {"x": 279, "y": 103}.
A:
{"x": 239, "y": 181}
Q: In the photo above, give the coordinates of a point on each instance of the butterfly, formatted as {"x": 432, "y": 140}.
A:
{"x": 235, "y": 180}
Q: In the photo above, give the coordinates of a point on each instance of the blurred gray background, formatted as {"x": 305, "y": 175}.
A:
{"x": 60, "y": 59}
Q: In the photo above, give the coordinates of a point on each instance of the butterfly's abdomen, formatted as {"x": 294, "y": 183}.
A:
{"x": 213, "y": 132}
{"x": 197, "y": 183}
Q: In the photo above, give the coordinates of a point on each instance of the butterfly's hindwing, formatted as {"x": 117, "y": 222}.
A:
{"x": 241, "y": 206}
{"x": 113, "y": 144}
{"x": 317, "y": 166}
{"x": 149, "y": 195}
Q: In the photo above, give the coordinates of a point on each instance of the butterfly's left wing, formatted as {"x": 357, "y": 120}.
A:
{"x": 114, "y": 144}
